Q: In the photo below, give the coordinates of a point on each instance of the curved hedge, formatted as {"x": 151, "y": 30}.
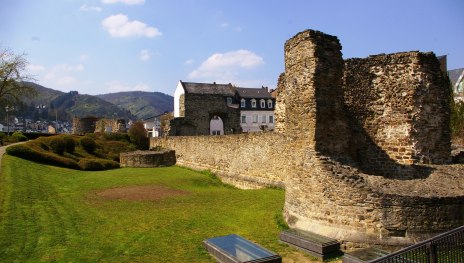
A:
{"x": 28, "y": 153}
{"x": 97, "y": 164}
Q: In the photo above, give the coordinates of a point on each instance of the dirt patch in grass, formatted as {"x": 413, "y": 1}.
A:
{"x": 140, "y": 193}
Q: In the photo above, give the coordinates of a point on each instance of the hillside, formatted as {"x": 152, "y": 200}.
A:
{"x": 44, "y": 95}
{"x": 140, "y": 103}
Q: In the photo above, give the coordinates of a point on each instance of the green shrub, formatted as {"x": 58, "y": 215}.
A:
{"x": 97, "y": 164}
{"x": 58, "y": 144}
{"x": 123, "y": 137}
{"x": 27, "y": 152}
{"x": 70, "y": 143}
{"x": 138, "y": 136}
{"x": 114, "y": 148}
{"x": 88, "y": 144}
{"x": 18, "y": 136}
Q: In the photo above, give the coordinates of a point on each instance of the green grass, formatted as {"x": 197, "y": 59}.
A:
{"x": 53, "y": 214}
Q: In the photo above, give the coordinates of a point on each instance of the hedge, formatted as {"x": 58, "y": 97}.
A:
{"x": 28, "y": 153}
{"x": 97, "y": 164}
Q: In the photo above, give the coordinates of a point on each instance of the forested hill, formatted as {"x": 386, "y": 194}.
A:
{"x": 140, "y": 103}
{"x": 53, "y": 104}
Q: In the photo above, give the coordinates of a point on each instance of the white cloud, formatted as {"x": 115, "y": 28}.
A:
{"x": 120, "y": 26}
{"x": 35, "y": 68}
{"x": 88, "y": 8}
{"x": 127, "y": 2}
{"x": 118, "y": 86}
{"x": 226, "y": 66}
{"x": 189, "y": 62}
{"x": 145, "y": 54}
{"x": 62, "y": 76}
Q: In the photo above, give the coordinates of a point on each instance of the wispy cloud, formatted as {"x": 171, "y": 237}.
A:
{"x": 145, "y": 54}
{"x": 189, "y": 62}
{"x": 120, "y": 26}
{"x": 118, "y": 86}
{"x": 34, "y": 68}
{"x": 62, "y": 76}
{"x": 226, "y": 66}
{"x": 126, "y": 2}
{"x": 88, "y": 8}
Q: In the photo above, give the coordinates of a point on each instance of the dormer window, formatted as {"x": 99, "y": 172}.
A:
{"x": 263, "y": 104}
{"x": 253, "y": 103}
{"x": 269, "y": 104}
{"x": 242, "y": 103}
{"x": 229, "y": 100}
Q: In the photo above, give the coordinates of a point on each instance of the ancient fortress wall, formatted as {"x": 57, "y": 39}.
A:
{"x": 335, "y": 122}
{"x": 248, "y": 161}
{"x": 399, "y": 107}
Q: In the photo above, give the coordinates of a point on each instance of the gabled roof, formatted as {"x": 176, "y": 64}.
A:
{"x": 455, "y": 74}
{"x": 254, "y": 93}
{"x": 209, "y": 88}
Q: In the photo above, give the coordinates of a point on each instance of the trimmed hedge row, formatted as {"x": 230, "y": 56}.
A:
{"x": 60, "y": 150}
{"x": 29, "y": 153}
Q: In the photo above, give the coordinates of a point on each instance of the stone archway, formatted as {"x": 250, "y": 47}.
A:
{"x": 216, "y": 126}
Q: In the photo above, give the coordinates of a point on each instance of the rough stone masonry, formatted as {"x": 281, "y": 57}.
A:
{"x": 361, "y": 146}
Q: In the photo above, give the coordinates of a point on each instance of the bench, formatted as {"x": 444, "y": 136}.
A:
{"x": 311, "y": 243}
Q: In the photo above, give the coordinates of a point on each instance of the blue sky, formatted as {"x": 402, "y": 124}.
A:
{"x": 104, "y": 46}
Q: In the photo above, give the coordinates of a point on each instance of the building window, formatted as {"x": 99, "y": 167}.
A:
{"x": 255, "y": 118}
{"x": 242, "y": 103}
{"x": 229, "y": 100}
{"x": 263, "y": 119}
{"x": 263, "y": 104}
{"x": 216, "y": 132}
{"x": 271, "y": 119}
{"x": 243, "y": 119}
{"x": 253, "y": 103}
{"x": 269, "y": 104}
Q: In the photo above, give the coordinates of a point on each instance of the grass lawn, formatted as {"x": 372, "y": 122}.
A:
{"x": 56, "y": 214}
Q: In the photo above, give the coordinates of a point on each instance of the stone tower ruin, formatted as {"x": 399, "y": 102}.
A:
{"x": 360, "y": 146}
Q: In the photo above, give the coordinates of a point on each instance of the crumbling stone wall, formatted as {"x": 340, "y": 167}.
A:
{"x": 279, "y": 111}
{"x": 250, "y": 160}
{"x": 322, "y": 152}
{"x": 110, "y": 125}
{"x": 85, "y": 125}
{"x": 399, "y": 111}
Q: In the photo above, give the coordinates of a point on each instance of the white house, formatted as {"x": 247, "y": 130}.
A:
{"x": 256, "y": 109}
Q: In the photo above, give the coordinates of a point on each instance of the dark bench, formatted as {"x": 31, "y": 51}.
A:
{"x": 311, "y": 243}
{"x": 236, "y": 249}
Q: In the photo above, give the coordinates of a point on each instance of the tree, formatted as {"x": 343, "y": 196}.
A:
{"x": 138, "y": 136}
{"x": 12, "y": 77}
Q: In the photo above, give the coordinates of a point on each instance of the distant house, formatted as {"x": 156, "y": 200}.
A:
{"x": 457, "y": 82}
{"x": 256, "y": 109}
{"x": 218, "y": 109}
{"x": 153, "y": 126}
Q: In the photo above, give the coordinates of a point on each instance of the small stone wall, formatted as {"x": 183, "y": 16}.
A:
{"x": 147, "y": 159}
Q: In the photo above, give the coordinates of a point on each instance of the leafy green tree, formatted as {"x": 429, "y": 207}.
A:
{"x": 138, "y": 136}
{"x": 12, "y": 77}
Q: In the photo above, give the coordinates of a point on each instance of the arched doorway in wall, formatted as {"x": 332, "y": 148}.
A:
{"x": 216, "y": 126}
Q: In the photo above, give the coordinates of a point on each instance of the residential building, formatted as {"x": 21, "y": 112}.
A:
{"x": 256, "y": 109}
{"x": 218, "y": 109}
